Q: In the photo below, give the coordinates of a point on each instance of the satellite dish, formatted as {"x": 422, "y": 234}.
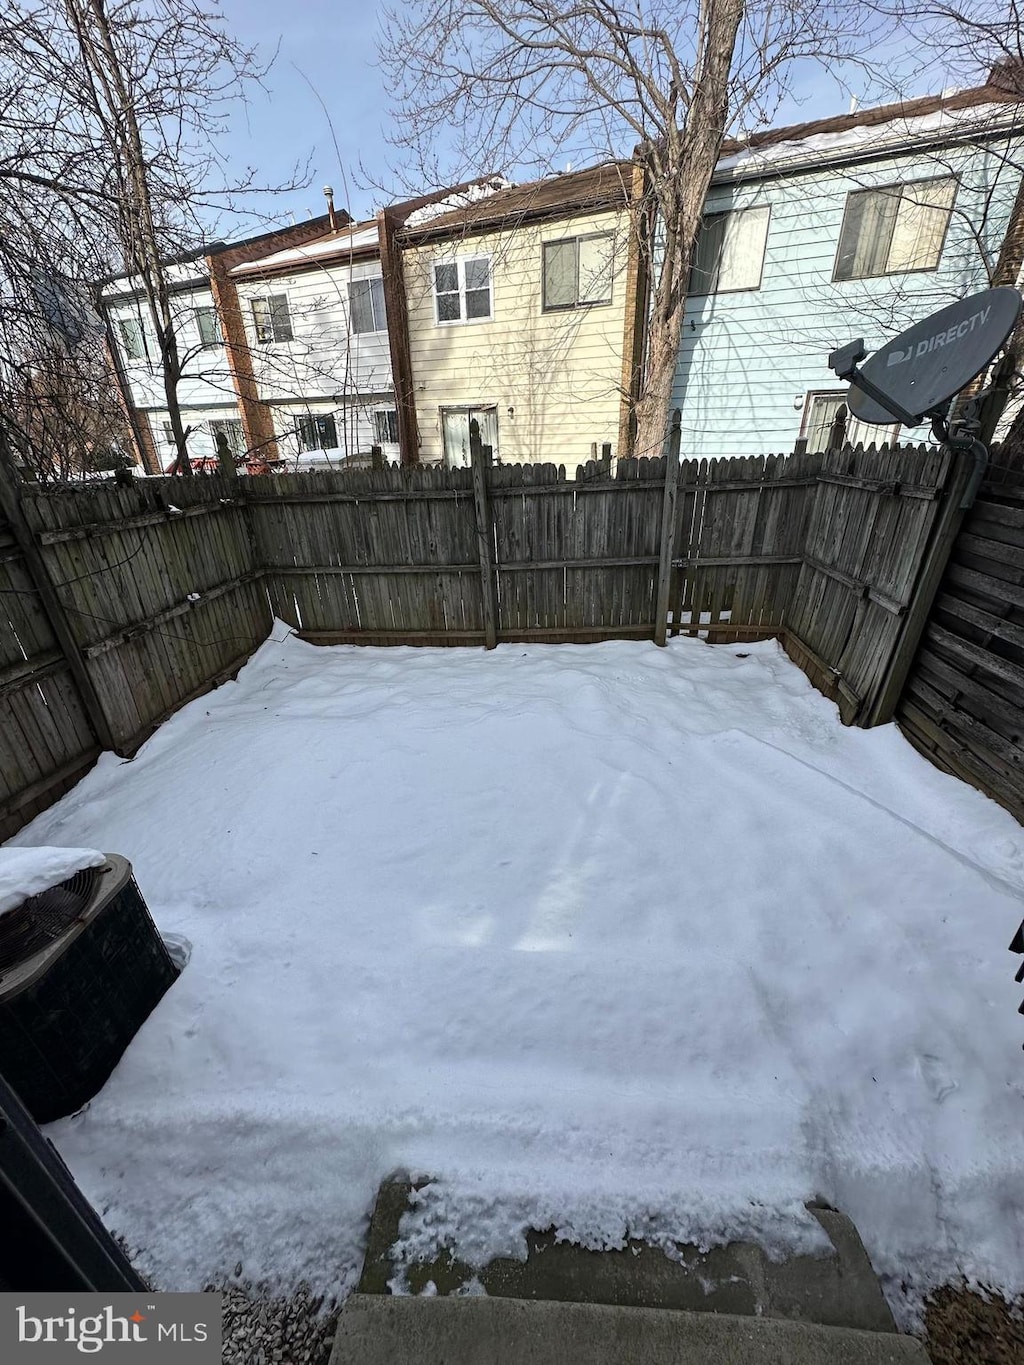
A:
{"x": 916, "y": 375}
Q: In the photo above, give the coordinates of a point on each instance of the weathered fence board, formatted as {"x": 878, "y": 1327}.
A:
{"x": 963, "y": 705}
{"x": 871, "y": 523}
{"x": 159, "y": 585}
{"x": 167, "y": 585}
{"x": 46, "y": 741}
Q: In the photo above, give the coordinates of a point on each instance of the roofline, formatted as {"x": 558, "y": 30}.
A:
{"x": 245, "y": 271}
{"x": 178, "y": 287}
{"x": 217, "y": 248}
{"x": 182, "y": 259}
{"x": 324, "y": 218}
{"x": 805, "y": 162}
{"x": 472, "y": 226}
{"x": 401, "y": 211}
{"x": 918, "y": 107}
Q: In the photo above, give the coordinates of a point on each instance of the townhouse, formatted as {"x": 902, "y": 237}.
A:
{"x": 523, "y": 308}
{"x": 844, "y": 227}
{"x": 517, "y": 315}
{"x": 215, "y": 392}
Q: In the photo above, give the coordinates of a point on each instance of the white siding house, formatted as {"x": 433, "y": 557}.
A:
{"x": 316, "y": 331}
{"x": 814, "y": 236}
{"x": 206, "y": 392}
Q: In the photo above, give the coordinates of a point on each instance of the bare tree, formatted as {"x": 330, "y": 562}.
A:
{"x": 110, "y": 115}
{"x": 523, "y": 82}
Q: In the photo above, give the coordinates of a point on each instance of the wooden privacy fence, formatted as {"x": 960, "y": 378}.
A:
{"x": 429, "y": 555}
{"x": 117, "y": 606}
{"x": 963, "y": 705}
{"x": 879, "y": 531}
{"x": 120, "y": 604}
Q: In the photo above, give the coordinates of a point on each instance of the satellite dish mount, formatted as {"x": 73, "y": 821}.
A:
{"x": 916, "y": 375}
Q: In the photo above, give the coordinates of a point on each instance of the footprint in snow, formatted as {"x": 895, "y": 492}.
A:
{"x": 936, "y": 1077}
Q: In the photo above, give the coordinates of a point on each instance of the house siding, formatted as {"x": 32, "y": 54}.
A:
{"x": 748, "y": 359}
{"x": 206, "y": 380}
{"x": 324, "y": 359}
{"x": 554, "y": 377}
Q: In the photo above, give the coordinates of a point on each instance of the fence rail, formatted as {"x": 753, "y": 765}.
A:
{"x": 120, "y": 604}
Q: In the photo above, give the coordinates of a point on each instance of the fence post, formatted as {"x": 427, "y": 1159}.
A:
{"x": 10, "y": 505}
{"x": 882, "y": 706}
{"x": 668, "y": 529}
{"x": 480, "y": 457}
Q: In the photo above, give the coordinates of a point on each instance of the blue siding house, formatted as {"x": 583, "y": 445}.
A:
{"x": 814, "y": 235}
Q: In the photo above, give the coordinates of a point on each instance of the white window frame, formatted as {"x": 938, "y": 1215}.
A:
{"x": 608, "y": 237}
{"x": 207, "y": 310}
{"x": 890, "y": 438}
{"x": 460, "y": 262}
{"x": 140, "y": 327}
{"x": 381, "y": 323}
{"x": 315, "y": 418}
{"x": 266, "y": 301}
{"x": 722, "y": 217}
{"x": 902, "y": 186}
{"x": 236, "y": 438}
{"x": 385, "y": 413}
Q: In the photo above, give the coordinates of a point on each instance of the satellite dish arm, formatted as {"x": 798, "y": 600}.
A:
{"x": 844, "y": 362}
{"x": 962, "y": 435}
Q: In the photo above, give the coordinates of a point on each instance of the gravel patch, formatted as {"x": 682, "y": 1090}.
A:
{"x": 296, "y": 1329}
{"x": 964, "y": 1327}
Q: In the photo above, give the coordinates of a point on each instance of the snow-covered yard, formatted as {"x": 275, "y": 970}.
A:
{"x": 619, "y": 939}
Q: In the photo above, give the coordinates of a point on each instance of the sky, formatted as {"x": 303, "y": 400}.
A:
{"x": 324, "y": 49}
{"x": 327, "y": 51}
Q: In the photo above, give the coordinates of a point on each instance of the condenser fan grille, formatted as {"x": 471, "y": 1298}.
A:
{"x": 40, "y": 919}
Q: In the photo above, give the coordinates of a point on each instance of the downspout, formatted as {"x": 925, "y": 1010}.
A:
{"x": 396, "y": 306}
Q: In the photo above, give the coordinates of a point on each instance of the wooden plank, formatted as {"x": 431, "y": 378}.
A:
{"x": 981, "y": 585}
{"x": 29, "y": 671}
{"x": 70, "y": 772}
{"x": 10, "y": 504}
{"x": 890, "y": 487}
{"x": 667, "y": 534}
{"x": 96, "y": 530}
{"x": 886, "y": 694}
{"x": 984, "y": 620}
{"x": 976, "y": 656}
{"x": 991, "y": 549}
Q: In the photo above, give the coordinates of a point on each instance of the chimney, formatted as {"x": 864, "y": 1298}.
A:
{"x": 329, "y": 196}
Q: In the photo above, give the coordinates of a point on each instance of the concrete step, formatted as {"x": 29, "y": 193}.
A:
{"x": 837, "y": 1289}
{"x": 384, "y": 1330}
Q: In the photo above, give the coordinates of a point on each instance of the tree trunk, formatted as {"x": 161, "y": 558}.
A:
{"x": 680, "y": 173}
{"x": 141, "y": 244}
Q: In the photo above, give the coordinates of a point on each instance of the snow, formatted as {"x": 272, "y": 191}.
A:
{"x": 619, "y": 940}
{"x": 26, "y": 871}
{"x": 898, "y": 134}
{"x": 329, "y": 245}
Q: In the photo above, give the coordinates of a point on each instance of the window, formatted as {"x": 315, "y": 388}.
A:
{"x": 230, "y": 427}
{"x": 386, "y": 425}
{"x": 318, "y": 433}
{"x": 168, "y": 433}
{"x": 209, "y": 332}
{"x": 901, "y": 227}
{"x": 366, "y": 305}
{"x": 133, "y": 338}
{"x": 820, "y": 413}
{"x": 463, "y": 289}
{"x": 578, "y": 272}
{"x": 729, "y": 254}
{"x": 271, "y": 318}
